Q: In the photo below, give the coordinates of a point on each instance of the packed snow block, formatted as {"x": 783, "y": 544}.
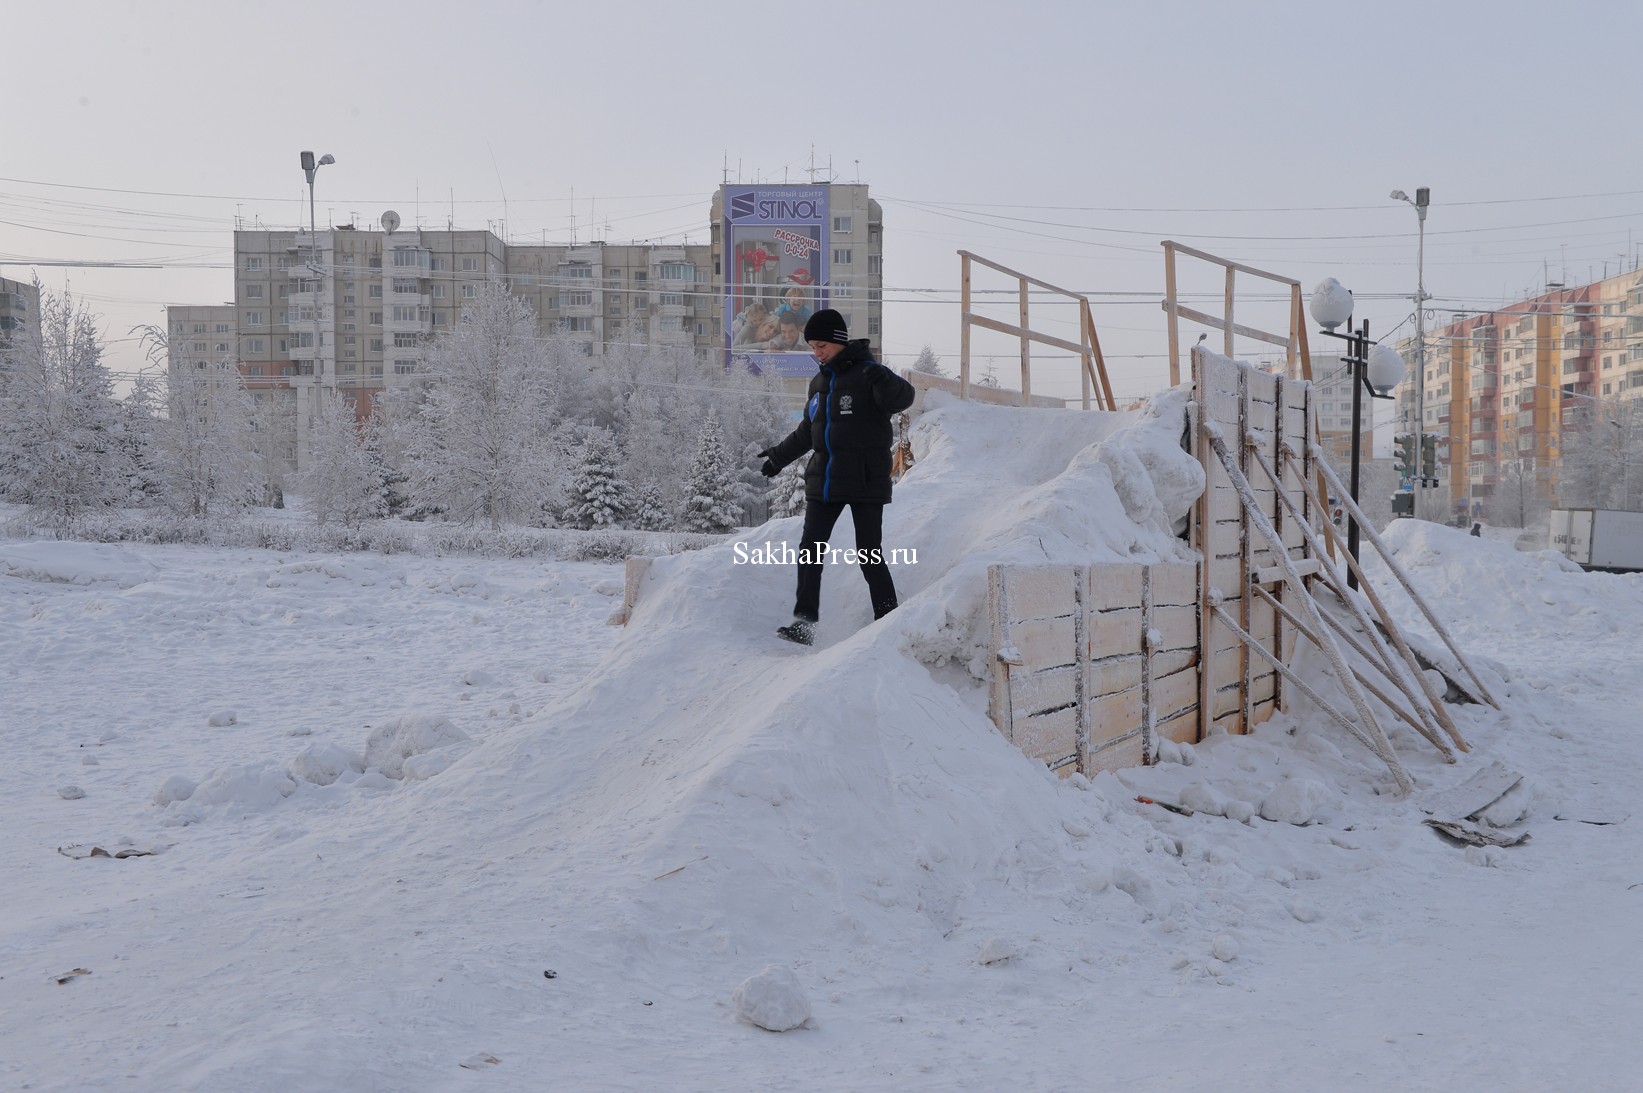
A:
{"x": 415, "y": 746}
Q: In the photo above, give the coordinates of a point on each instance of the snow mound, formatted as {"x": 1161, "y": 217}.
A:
{"x": 75, "y": 563}
{"x": 415, "y": 746}
{"x": 322, "y": 764}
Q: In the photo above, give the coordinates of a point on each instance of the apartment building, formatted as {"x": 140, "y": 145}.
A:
{"x": 1501, "y": 387}
{"x": 19, "y": 305}
{"x": 349, "y": 309}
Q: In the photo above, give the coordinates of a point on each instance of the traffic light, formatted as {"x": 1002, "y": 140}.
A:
{"x": 1403, "y": 455}
{"x": 1429, "y": 458}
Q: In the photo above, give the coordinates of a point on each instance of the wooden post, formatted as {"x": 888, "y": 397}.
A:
{"x": 1026, "y": 350}
{"x": 964, "y": 328}
{"x": 1227, "y": 340}
{"x": 1173, "y": 310}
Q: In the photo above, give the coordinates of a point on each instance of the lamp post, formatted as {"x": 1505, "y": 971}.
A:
{"x": 1423, "y": 198}
{"x": 310, "y": 167}
{"x": 1374, "y": 367}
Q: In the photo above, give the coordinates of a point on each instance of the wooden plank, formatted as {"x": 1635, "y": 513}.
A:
{"x": 1218, "y": 323}
{"x": 1482, "y": 789}
{"x": 1113, "y": 674}
{"x": 964, "y": 327}
{"x": 1018, "y": 331}
{"x": 1044, "y": 643}
{"x": 1224, "y": 504}
{"x": 1129, "y": 751}
{"x": 1177, "y": 628}
{"x": 1227, "y": 574}
{"x": 1115, "y": 584}
{"x": 1049, "y": 737}
{"x": 1113, "y": 633}
{"x": 1115, "y": 715}
{"x": 1031, "y": 693}
{"x": 1173, "y": 693}
{"x": 998, "y": 676}
{"x": 1173, "y": 661}
{"x": 1041, "y": 592}
{"x": 1175, "y": 583}
{"x": 1181, "y": 728}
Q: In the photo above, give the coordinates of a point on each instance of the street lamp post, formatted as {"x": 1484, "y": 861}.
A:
{"x": 1423, "y": 198}
{"x": 310, "y": 167}
{"x": 1374, "y": 367}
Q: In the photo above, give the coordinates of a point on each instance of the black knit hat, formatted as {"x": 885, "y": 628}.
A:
{"x": 827, "y": 325}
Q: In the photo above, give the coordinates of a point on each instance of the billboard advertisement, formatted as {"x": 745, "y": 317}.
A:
{"x": 775, "y": 247}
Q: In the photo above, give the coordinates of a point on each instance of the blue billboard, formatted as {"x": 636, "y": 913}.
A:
{"x": 775, "y": 251}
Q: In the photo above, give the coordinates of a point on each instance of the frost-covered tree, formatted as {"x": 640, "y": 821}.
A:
{"x": 928, "y": 362}
{"x": 203, "y": 452}
{"x": 787, "y": 490}
{"x": 599, "y": 495}
{"x": 273, "y": 447}
{"x": 60, "y": 451}
{"x": 1519, "y": 499}
{"x": 710, "y": 493}
{"x": 649, "y": 514}
{"x": 340, "y": 482}
{"x": 484, "y": 445}
{"x": 1602, "y": 457}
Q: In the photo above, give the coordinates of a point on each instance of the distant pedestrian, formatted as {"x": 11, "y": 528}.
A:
{"x": 1477, "y": 531}
{"x": 846, "y": 429}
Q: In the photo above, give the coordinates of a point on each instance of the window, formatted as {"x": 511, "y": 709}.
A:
{"x": 842, "y": 292}
{"x": 348, "y": 366}
{"x": 576, "y": 299}
{"x": 254, "y": 345}
{"x": 676, "y": 271}
{"x": 284, "y": 262}
{"x": 470, "y": 265}
{"x": 641, "y": 301}
{"x": 439, "y": 292}
{"x": 376, "y": 369}
{"x": 222, "y": 347}
{"x": 253, "y": 318}
{"x": 403, "y": 340}
{"x": 405, "y": 314}
{"x": 581, "y": 323}
{"x": 376, "y": 292}
{"x": 407, "y": 256}
{"x": 376, "y": 345}
{"x": 374, "y": 262}
{"x": 220, "y": 328}
{"x": 436, "y": 264}
{"x": 348, "y": 300}
{"x": 404, "y": 368}
{"x": 467, "y": 292}
{"x": 252, "y": 263}
{"x": 841, "y": 256}
{"x": 671, "y": 299}
{"x": 199, "y": 347}
{"x": 253, "y": 292}
{"x": 640, "y": 275}
{"x": 376, "y": 318}
{"x": 254, "y": 370}
{"x": 875, "y": 263}
{"x": 405, "y": 286}
{"x": 841, "y": 225}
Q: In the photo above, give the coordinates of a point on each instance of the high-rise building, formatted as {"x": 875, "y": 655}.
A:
{"x": 1505, "y": 387}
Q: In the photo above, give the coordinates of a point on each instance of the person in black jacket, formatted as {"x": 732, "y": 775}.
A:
{"x": 846, "y": 428}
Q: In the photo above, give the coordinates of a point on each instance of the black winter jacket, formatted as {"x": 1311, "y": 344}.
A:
{"x": 847, "y": 428}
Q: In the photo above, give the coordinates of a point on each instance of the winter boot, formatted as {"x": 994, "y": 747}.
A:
{"x": 799, "y": 631}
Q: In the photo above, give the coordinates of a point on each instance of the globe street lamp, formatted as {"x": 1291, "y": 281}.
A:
{"x": 1373, "y": 366}
{"x": 310, "y": 167}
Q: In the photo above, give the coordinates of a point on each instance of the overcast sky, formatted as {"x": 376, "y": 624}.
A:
{"x": 1063, "y": 139}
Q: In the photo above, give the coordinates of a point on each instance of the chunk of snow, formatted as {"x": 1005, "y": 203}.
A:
{"x": 1224, "y": 948}
{"x": 322, "y": 764}
{"x": 388, "y": 746}
{"x": 1295, "y": 801}
{"x": 220, "y": 718}
{"x": 772, "y": 1000}
{"x": 997, "y": 950}
{"x": 174, "y": 788}
{"x": 70, "y": 793}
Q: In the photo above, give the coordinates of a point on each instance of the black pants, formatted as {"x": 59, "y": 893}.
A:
{"x": 819, "y": 518}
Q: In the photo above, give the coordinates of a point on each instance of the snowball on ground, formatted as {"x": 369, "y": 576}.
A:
{"x": 772, "y": 1000}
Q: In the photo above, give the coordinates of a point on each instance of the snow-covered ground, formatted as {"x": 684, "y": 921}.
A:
{"x": 428, "y": 823}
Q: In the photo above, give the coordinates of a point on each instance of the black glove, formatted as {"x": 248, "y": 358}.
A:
{"x": 769, "y": 470}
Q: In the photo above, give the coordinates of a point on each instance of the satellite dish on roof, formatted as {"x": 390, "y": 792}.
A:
{"x": 390, "y": 221}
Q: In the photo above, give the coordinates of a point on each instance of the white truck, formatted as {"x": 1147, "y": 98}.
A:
{"x": 1608, "y": 539}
